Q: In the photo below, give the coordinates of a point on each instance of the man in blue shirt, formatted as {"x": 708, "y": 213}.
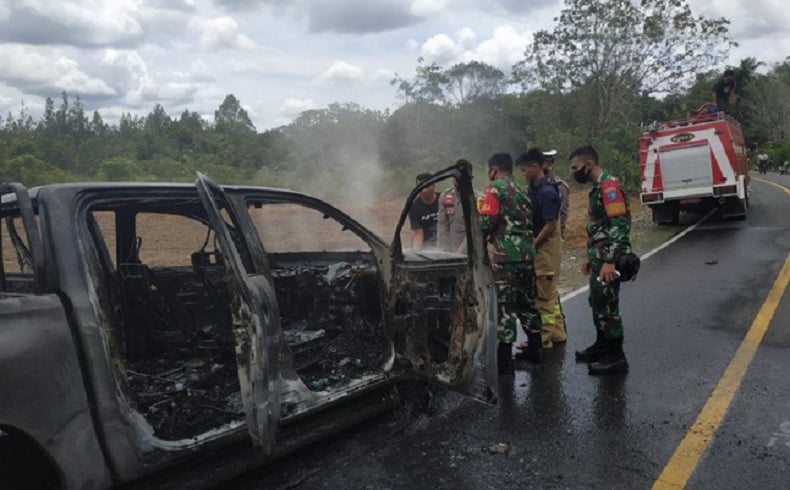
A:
{"x": 546, "y": 203}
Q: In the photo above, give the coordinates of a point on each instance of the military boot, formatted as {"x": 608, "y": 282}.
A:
{"x": 594, "y": 352}
{"x": 504, "y": 358}
{"x": 613, "y": 361}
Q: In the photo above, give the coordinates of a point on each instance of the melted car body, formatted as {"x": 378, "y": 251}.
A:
{"x": 169, "y": 320}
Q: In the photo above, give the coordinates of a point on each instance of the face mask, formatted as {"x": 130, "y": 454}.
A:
{"x": 581, "y": 176}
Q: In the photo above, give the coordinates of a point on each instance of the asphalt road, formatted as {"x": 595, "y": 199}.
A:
{"x": 685, "y": 317}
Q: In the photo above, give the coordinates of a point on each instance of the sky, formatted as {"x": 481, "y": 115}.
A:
{"x": 281, "y": 57}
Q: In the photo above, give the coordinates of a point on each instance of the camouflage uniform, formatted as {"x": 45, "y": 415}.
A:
{"x": 506, "y": 216}
{"x": 608, "y": 229}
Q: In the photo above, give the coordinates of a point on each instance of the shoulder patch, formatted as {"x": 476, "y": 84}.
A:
{"x": 488, "y": 205}
{"x": 613, "y": 199}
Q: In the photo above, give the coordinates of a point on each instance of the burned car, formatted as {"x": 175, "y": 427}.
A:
{"x": 144, "y": 325}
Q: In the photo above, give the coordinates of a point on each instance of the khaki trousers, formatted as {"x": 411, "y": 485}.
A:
{"x": 548, "y": 303}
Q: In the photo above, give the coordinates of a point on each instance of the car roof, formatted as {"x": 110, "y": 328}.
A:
{"x": 33, "y": 192}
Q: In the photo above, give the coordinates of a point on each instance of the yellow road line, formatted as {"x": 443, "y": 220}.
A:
{"x": 686, "y": 457}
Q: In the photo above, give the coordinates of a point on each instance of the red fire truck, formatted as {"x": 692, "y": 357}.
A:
{"x": 694, "y": 164}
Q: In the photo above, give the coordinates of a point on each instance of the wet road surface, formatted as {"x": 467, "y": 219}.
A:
{"x": 685, "y": 317}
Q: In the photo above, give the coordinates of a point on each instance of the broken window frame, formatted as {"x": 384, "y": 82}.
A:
{"x": 25, "y": 209}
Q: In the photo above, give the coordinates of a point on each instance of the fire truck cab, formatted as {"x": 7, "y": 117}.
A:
{"x": 694, "y": 164}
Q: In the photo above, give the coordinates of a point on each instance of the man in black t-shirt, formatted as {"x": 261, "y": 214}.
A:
{"x": 724, "y": 91}
{"x": 423, "y": 216}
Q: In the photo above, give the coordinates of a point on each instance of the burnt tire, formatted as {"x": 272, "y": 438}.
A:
{"x": 24, "y": 465}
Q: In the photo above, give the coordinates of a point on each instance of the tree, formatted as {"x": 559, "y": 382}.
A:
{"x": 768, "y": 106}
{"x": 426, "y": 86}
{"x": 231, "y": 117}
{"x": 615, "y": 50}
{"x": 469, "y": 81}
{"x": 459, "y": 84}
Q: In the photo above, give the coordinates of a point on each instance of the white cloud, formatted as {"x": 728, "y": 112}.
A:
{"x": 750, "y": 20}
{"x": 129, "y": 75}
{"x": 467, "y": 38}
{"x": 291, "y": 108}
{"x": 185, "y": 54}
{"x": 441, "y": 49}
{"x": 46, "y": 71}
{"x": 223, "y": 33}
{"x": 383, "y": 75}
{"x": 90, "y": 22}
{"x": 342, "y": 72}
{"x": 425, "y": 8}
{"x": 504, "y": 48}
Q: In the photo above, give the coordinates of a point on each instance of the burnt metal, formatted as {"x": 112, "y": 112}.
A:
{"x": 152, "y": 366}
{"x": 331, "y": 316}
{"x": 25, "y": 210}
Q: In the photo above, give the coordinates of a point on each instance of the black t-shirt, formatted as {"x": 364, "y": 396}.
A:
{"x": 545, "y": 200}
{"x": 425, "y": 216}
{"x": 723, "y": 90}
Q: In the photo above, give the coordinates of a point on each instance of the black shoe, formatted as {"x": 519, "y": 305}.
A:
{"x": 613, "y": 361}
{"x": 504, "y": 358}
{"x": 594, "y": 352}
{"x": 610, "y": 363}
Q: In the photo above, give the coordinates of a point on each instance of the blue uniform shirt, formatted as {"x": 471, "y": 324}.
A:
{"x": 545, "y": 203}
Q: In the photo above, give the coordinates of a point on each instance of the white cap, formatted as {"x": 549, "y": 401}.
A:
{"x": 549, "y": 153}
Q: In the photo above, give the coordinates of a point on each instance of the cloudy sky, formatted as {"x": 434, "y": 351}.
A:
{"x": 280, "y": 57}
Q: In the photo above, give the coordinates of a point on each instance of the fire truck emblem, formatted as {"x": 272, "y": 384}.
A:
{"x": 682, "y": 137}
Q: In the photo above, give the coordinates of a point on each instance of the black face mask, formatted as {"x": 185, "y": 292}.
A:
{"x": 581, "y": 176}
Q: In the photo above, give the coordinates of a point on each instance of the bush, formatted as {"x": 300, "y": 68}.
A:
{"x": 120, "y": 169}
{"x": 31, "y": 171}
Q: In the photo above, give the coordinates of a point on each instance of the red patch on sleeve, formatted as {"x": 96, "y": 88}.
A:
{"x": 488, "y": 205}
{"x": 613, "y": 199}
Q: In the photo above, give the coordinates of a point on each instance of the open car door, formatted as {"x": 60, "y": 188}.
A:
{"x": 443, "y": 305}
{"x": 254, "y": 309}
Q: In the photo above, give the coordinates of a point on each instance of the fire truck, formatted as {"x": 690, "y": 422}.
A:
{"x": 694, "y": 164}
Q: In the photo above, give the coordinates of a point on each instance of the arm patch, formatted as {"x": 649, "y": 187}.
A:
{"x": 488, "y": 205}
{"x": 613, "y": 199}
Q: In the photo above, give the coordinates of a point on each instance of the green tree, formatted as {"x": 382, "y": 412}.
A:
{"x": 614, "y": 50}
{"x": 231, "y": 117}
{"x": 768, "y": 106}
{"x": 427, "y": 86}
{"x": 466, "y": 82}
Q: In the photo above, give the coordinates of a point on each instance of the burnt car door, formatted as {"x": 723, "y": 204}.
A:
{"x": 254, "y": 309}
{"x": 442, "y": 305}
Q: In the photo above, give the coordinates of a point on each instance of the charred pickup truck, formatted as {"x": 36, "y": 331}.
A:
{"x": 144, "y": 326}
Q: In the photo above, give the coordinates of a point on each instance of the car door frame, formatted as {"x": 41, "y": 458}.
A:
{"x": 256, "y": 341}
{"x": 479, "y": 377}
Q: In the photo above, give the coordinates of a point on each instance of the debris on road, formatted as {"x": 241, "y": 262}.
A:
{"x": 498, "y": 448}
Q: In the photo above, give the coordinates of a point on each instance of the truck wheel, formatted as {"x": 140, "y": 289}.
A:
{"x": 745, "y": 204}
{"x": 666, "y": 213}
{"x": 675, "y": 215}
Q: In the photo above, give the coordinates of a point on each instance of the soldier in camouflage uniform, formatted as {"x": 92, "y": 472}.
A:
{"x": 608, "y": 229}
{"x": 506, "y": 217}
